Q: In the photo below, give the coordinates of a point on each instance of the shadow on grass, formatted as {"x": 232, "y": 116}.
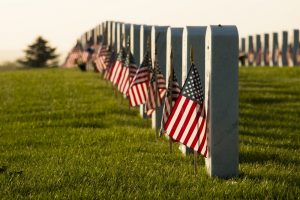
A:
{"x": 262, "y": 158}
{"x": 267, "y": 135}
{"x": 292, "y": 181}
{"x": 281, "y": 146}
{"x": 264, "y": 100}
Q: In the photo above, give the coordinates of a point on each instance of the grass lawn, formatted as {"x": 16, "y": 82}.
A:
{"x": 63, "y": 134}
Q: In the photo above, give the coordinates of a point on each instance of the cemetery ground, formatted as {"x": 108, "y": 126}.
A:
{"x": 63, "y": 134}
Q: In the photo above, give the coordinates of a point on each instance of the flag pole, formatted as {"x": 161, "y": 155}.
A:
{"x": 195, "y": 152}
{"x": 195, "y": 162}
{"x": 128, "y": 54}
{"x": 149, "y": 74}
{"x": 156, "y": 83}
{"x": 156, "y": 86}
{"x": 171, "y": 82}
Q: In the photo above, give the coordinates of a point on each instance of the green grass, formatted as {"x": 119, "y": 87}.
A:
{"x": 64, "y": 135}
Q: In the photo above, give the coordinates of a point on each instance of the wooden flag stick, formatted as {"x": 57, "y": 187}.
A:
{"x": 156, "y": 86}
{"x": 128, "y": 54}
{"x": 171, "y": 99}
{"x": 195, "y": 162}
{"x": 170, "y": 144}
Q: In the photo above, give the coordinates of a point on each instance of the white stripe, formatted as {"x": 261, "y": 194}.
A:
{"x": 196, "y": 129}
{"x": 139, "y": 88}
{"x": 171, "y": 124}
{"x": 191, "y": 120}
{"x": 135, "y": 94}
{"x": 144, "y": 85}
{"x": 201, "y": 134}
{"x": 183, "y": 118}
{"x": 114, "y": 71}
{"x": 117, "y": 73}
{"x": 131, "y": 98}
{"x": 204, "y": 146}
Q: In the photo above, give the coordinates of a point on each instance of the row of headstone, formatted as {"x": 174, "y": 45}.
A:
{"x": 275, "y": 49}
{"x": 216, "y": 57}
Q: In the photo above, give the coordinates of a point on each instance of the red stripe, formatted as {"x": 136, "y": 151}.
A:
{"x": 172, "y": 113}
{"x": 178, "y": 117}
{"x": 202, "y": 143}
{"x": 187, "y": 119}
{"x": 192, "y": 126}
{"x": 198, "y": 132}
{"x": 138, "y": 94}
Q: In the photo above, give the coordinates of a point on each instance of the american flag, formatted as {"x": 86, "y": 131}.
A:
{"x": 110, "y": 66}
{"x": 187, "y": 121}
{"x": 102, "y": 58}
{"x": 156, "y": 89}
{"x": 73, "y": 56}
{"x": 129, "y": 70}
{"x": 138, "y": 92}
{"x": 85, "y": 56}
{"x": 171, "y": 97}
{"x": 117, "y": 69}
{"x": 105, "y": 55}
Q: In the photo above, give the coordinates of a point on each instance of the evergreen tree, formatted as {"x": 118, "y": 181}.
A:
{"x": 39, "y": 54}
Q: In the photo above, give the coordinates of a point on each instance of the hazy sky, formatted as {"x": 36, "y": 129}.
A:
{"x": 62, "y": 21}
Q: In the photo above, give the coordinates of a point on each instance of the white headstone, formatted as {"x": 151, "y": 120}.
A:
{"x": 145, "y": 33}
{"x": 258, "y": 50}
{"x": 274, "y": 49}
{"x": 283, "y": 41}
{"x": 296, "y": 47}
{"x": 118, "y": 36}
{"x": 247, "y": 51}
{"x": 251, "y": 52}
{"x": 242, "y": 50}
{"x": 174, "y": 44}
{"x": 221, "y": 100}
{"x": 293, "y": 40}
{"x": 193, "y": 37}
{"x": 266, "y": 49}
{"x": 101, "y": 33}
{"x": 113, "y": 35}
{"x": 109, "y": 33}
{"x": 159, "y": 37}
{"x": 135, "y": 42}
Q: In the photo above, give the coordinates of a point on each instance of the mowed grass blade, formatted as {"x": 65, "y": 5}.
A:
{"x": 64, "y": 135}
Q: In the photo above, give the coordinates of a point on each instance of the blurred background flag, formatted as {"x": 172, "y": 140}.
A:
{"x": 157, "y": 89}
{"x": 171, "y": 97}
{"x": 138, "y": 91}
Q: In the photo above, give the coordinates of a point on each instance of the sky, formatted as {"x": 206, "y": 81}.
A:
{"x": 63, "y": 21}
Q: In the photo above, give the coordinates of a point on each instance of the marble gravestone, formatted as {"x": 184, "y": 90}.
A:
{"x": 174, "y": 45}
{"x": 125, "y": 33}
{"x": 266, "y": 49}
{"x": 275, "y": 54}
{"x": 283, "y": 44}
{"x": 251, "y": 53}
{"x": 108, "y": 32}
{"x": 135, "y": 42}
{"x": 158, "y": 41}
{"x": 113, "y": 35}
{"x": 221, "y": 100}
{"x": 192, "y": 37}
{"x": 258, "y": 50}
{"x": 296, "y": 48}
{"x": 118, "y": 36}
{"x": 242, "y": 49}
{"x": 145, "y": 33}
